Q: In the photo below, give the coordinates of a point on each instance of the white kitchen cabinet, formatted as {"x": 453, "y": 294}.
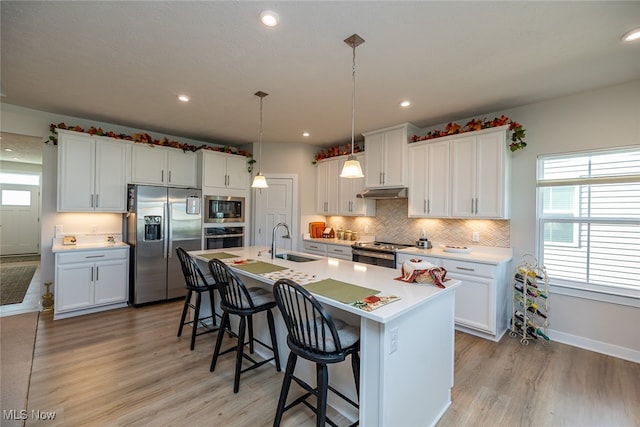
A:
{"x": 315, "y": 248}
{"x": 386, "y": 156}
{"x": 90, "y": 281}
{"x": 429, "y": 180}
{"x": 327, "y": 175}
{"x": 339, "y": 251}
{"x": 480, "y": 175}
{"x": 166, "y": 166}
{"x": 91, "y": 173}
{"x": 349, "y": 188}
{"x": 482, "y": 301}
{"x": 223, "y": 170}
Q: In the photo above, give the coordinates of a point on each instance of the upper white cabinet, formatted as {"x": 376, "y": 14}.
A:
{"x": 386, "y": 156}
{"x": 429, "y": 179}
{"x": 327, "y": 175}
{"x": 479, "y": 175}
{"x": 348, "y": 202}
{"x": 165, "y": 166}
{"x": 224, "y": 170}
{"x": 91, "y": 173}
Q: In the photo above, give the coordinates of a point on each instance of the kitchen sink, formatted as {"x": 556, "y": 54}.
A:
{"x": 295, "y": 258}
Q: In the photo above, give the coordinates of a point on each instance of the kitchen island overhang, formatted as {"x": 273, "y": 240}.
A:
{"x": 407, "y": 346}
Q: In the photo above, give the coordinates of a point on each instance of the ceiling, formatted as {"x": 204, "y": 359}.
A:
{"x": 126, "y": 62}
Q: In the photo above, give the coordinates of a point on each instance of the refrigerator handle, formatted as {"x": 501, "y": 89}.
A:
{"x": 170, "y": 232}
{"x": 166, "y": 230}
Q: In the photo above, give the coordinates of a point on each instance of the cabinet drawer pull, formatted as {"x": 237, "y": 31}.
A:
{"x": 313, "y": 246}
{"x": 338, "y": 250}
{"x": 94, "y": 256}
{"x": 465, "y": 268}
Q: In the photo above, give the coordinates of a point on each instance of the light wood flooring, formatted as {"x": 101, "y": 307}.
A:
{"x": 127, "y": 368}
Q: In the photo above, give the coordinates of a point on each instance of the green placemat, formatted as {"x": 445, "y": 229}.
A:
{"x": 218, "y": 255}
{"x": 340, "y": 291}
{"x": 258, "y": 267}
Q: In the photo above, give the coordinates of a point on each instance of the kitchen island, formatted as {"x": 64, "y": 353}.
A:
{"x": 407, "y": 346}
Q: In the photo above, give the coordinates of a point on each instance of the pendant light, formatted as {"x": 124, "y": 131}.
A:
{"x": 259, "y": 181}
{"x": 352, "y": 168}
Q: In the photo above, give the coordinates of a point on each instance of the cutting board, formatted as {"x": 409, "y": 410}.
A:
{"x": 316, "y": 229}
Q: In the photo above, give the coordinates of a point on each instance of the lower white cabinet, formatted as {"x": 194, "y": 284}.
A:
{"x": 481, "y": 299}
{"x": 328, "y": 250}
{"x": 90, "y": 281}
{"x": 339, "y": 251}
{"x": 315, "y": 248}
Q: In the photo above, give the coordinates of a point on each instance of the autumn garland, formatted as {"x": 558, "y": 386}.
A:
{"x": 144, "y": 138}
{"x": 337, "y": 151}
{"x": 517, "y": 131}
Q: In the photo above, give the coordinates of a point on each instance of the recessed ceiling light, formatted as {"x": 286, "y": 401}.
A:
{"x": 632, "y": 35}
{"x": 7, "y": 149}
{"x": 184, "y": 98}
{"x": 269, "y": 18}
{"x": 405, "y": 103}
{"x": 305, "y": 134}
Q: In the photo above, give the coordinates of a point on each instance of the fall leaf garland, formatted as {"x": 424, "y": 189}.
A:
{"x": 144, "y": 138}
{"x": 517, "y": 131}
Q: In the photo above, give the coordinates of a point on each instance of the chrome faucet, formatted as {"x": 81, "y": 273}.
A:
{"x": 273, "y": 237}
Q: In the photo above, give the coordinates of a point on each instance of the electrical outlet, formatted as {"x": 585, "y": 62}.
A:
{"x": 94, "y": 228}
{"x": 476, "y": 236}
{"x": 393, "y": 341}
{"x": 59, "y": 231}
{"x": 366, "y": 229}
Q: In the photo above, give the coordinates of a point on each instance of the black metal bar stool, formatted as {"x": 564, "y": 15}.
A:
{"x": 195, "y": 282}
{"x": 237, "y": 299}
{"x": 315, "y": 336}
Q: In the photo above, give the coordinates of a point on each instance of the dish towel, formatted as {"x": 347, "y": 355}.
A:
{"x": 419, "y": 271}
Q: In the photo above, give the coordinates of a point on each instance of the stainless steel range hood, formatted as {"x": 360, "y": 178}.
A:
{"x": 384, "y": 193}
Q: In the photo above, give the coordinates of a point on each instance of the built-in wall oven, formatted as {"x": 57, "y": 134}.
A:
{"x": 376, "y": 253}
{"x": 221, "y": 209}
{"x": 224, "y": 237}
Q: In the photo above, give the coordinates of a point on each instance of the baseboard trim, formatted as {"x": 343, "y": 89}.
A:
{"x": 596, "y": 346}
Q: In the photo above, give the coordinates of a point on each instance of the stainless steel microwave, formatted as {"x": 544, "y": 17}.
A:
{"x": 223, "y": 209}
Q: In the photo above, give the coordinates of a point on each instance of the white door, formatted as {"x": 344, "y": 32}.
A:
{"x": 20, "y": 225}
{"x": 273, "y": 205}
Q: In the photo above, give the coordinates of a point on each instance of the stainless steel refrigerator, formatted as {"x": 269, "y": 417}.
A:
{"x": 158, "y": 220}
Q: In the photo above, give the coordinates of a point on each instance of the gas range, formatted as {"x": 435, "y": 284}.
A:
{"x": 379, "y": 246}
{"x": 376, "y": 253}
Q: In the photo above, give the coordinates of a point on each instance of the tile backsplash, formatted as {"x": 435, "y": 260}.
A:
{"x": 392, "y": 225}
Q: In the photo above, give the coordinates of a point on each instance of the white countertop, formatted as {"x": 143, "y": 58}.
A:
{"x": 330, "y": 241}
{"x": 94, "y": 242}
{"x": 482, "y": 254}
{"x": 412, "y": 295}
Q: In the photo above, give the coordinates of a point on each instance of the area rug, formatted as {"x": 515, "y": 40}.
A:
{"x": 18, "y": 258}
{"x": 18, "y": 335}
{"x": 14, "y": 282}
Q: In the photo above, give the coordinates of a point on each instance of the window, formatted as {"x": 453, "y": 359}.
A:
{"x": 16, "y": 198}
{"x": 589, "y": 219}
{"x": 19, "y": 178}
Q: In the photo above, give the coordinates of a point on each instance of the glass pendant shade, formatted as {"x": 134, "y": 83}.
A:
{"x": 352, "y": 168}
{"x": 259, "y": 181}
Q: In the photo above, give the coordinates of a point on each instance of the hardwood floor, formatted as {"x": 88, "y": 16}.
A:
{"x": 127, "y": 367}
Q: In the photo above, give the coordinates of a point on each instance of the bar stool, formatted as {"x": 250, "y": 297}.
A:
{"x": 237, "y": 299}
{"x": 195, "y": 282}
{"x": 314, "y": 336}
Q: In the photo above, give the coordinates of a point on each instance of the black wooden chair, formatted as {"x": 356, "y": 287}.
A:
{"x": 237, "y": 299}
{"x": 314, "y": 336}
{"x": 195, "y": 283}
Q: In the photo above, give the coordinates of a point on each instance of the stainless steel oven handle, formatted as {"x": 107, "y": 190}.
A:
{"x": 221, "y": 236}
